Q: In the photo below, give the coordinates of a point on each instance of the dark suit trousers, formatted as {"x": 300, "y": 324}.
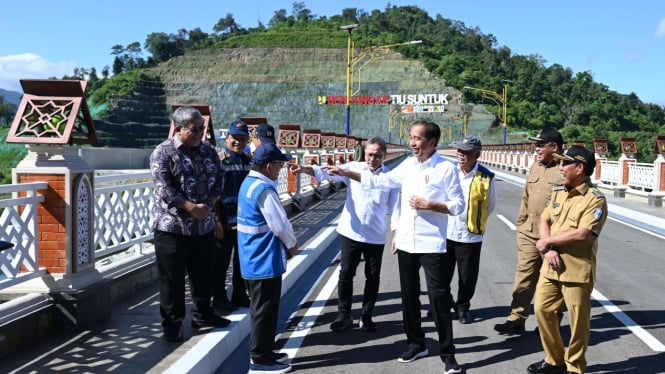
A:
{"x": 176, "y": 254}
{"x": 437, "y": 272}
{"x": 467, "y": 258}
{"x": 351, "y": 252}
{"x": 264, "y": 300}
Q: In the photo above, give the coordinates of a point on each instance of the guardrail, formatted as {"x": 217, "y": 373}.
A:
{"x": 624, "y": 177}
{"x": 121, "y": 215}
{"x": 19, "y": 227}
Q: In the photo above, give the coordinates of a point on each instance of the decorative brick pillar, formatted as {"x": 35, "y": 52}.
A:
{"x": 311, "y": 141}
{"x": 289, "y": 138}
{"x": 600, "y": 150}
{"x": 65, "y": 220}
{"x": 659, "y": 164}
{"x": 527, "y": 148}
{"x": 628, "y": 147}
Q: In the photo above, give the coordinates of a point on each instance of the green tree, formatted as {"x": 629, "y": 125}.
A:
{"x": 162, "y": 46}
{"x": 7, "y": 112}
{"x": 226, "y": 25}
{"x": 279, "y": 16}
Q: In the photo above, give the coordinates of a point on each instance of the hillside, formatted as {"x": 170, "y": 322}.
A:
{"x": 284, "y": 84}
{"x": 11, "y": 96}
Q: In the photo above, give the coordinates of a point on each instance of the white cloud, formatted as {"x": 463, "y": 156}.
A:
{"x": 660, "y": 30}
{"x": 30, "y": 66}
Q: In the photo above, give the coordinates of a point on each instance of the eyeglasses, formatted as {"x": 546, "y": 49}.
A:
{"x": 567, "y": 162}
{"x": 195, "y": 129}
{"x": 374, "y": 155}
{"x": 542, "y": 144}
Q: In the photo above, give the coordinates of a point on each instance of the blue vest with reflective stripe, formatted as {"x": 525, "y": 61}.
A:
{"x": 261, "y": 253}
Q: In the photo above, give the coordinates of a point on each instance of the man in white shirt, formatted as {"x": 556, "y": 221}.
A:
{"x": 430, "y": 192}
{"x": 465, "y": 231}
{"x": 362, "y": 227}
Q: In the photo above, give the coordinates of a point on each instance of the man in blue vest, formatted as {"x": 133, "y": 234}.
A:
{"x": 465, "y": 231}
{"x": 265, "y": 241}
{"x": 235, "y": 166}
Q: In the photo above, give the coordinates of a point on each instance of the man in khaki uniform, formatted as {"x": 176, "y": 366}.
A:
{"x": 569, "y": 228}
{"x": 543, "y": 176}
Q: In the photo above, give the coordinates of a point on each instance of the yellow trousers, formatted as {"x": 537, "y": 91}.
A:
{"x": 550, "y": 294}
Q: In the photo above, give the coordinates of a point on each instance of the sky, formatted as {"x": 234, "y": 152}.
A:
{"x": 621, "y": 43}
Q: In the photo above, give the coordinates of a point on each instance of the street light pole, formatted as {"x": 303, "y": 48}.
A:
{"x": 349, "y": 49}
{"x": 500, "y": 100}
{"x": 352, "y": 60}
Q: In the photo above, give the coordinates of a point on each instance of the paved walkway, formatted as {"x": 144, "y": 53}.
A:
{"x": 131, "y": 340}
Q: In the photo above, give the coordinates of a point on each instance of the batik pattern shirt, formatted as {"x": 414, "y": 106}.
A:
{"x": 182, "y": 174}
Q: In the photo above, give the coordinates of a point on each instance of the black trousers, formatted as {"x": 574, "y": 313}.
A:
{"x": 264, "y": 295}
{"x": 351, "y": 252}
{"x": 177, "y": 255}
{"x": 438, "y": 289}
{"x": 467, "y": 258}
{"x": 225, "y": 249}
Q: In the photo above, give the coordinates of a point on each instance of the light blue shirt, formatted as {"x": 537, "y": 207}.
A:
{"x": 422, "y": 231}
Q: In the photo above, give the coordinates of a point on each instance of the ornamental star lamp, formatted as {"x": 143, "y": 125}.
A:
{"x": 53, "y": 112}
{"x": 52, "y": 117}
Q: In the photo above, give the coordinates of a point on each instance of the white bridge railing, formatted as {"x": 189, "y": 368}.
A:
{"x": 641, "y": 176}
{"x": 610, "y": 172}
{"x": 625, "y": 175}
{"x": 122, "y": 216}
{"x": 19, "y": 227}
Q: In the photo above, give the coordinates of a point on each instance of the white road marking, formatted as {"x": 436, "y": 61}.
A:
{"x": 305, "y": 325}
{"x": 507, "y": 222}
{"x": 636, "y": 227}
{"x": 647, "y": 338}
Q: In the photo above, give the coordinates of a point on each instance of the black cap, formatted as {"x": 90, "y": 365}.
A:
{"x": 266, "y": 133}
{"x": 579, "y": 154}
{"x": 468, "y": 143}
{"x": 548, "y": 134}
{"x": 268, "y": 152}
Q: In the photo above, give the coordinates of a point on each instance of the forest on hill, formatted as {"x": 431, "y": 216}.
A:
{"x": 539, "y": 93}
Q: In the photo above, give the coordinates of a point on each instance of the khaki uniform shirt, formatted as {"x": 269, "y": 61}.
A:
{"x": 581, "y": 207}
{"x": 537, "y": 191}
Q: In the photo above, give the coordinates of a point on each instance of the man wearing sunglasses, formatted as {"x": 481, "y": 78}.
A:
{"x": 188, "y": 180}
{"x": 543, "y": 177}
{"x": 569, "y": 228}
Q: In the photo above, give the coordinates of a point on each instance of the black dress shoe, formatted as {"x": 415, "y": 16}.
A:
{"x": 510, "y": 328}
{"x": 210, "y": 321}
{"x": 224, "y": 306}
{"x": 465, "y": 317}
{"x": 366, "y": 324}
{"x": 543, "y": 367}
{"x": 342, "y": 323}
{"x": 173, "y": 333}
